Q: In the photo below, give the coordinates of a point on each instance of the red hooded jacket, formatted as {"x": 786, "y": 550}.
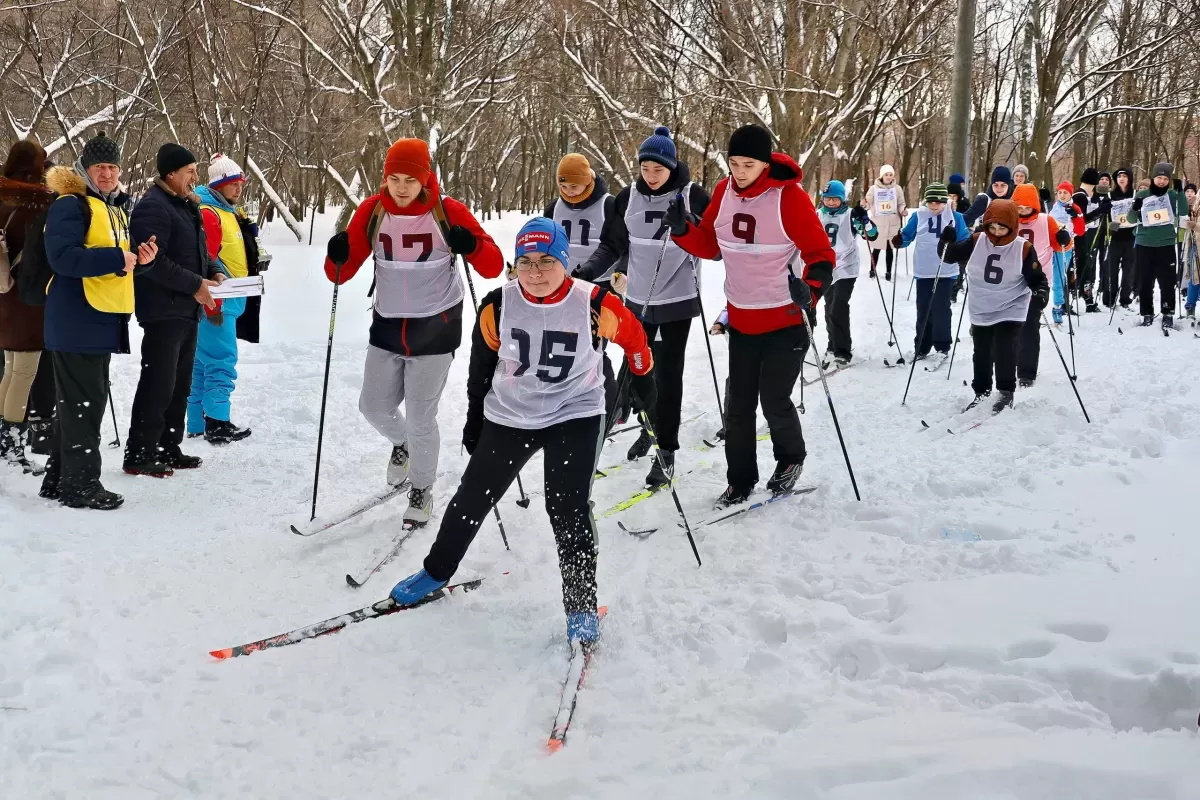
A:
{"x": 800, "y": 223}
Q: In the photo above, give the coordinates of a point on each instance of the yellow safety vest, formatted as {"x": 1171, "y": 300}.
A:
{"x": 233, "y": 247}
{"x": 112, "y": 294}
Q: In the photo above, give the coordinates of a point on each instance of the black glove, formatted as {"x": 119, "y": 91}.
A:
{"x": 897, "y": 241}
{"x": 471, "y": 432}
{"x": 338, "y": 249}
{"x": 859, "y": 214}
{"x": 1106, "y": 204}
{"x": 801, "y": 292}
{"x": 949, "y": 234}
{"x": 645, "y": 391}
{"x": 677, "y": 218}
{"x": 1063, "y": 237}
{"x": 460, "y": 240}
{"x": 1137, "y": 203}
{"x": 1041, "y": 296}
{"x": 1072, "y": 211}
{"x": 623, "y": 402}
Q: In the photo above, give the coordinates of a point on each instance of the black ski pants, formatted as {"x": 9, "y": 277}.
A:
{"x": 81, "y": 389}
{"x": 572, "y": 448}
{"x": 837, "y": 316}
{"x": 763, "y": 367}
{"x": 1085, "y": 267}
{"x": 669, "y": 352}
{"x": 1156, "y": 265}
{"x": 1029, "y": 343}
{"x": 995, "y": 348}
{"x": 1119, "y": 275}
{"x": 934, "y": 315}
{"x": 159, "y": 405}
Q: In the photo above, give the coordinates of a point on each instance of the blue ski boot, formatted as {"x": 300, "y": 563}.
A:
{"x": 415, "y": 588}
{"x": 583, "y": 627}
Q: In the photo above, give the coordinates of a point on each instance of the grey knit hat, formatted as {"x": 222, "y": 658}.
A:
{"x": 1024, "y": 170}
{"x": 101, "y": 150}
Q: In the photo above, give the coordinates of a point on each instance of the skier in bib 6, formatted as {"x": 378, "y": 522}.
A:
{"x": 417, "y": 312}
{"x": 763, "y": 224}
{"x": 536, "y": 383}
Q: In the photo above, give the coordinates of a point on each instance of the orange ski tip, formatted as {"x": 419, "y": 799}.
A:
{"x": 602, "y": 611}
{"x": 221, "y": 655}
{"x": 554, "y": 745}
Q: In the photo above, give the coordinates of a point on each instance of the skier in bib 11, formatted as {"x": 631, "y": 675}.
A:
{"x": 1003, "y": 277}
{"x": 760, "y": 221}
{"x": 416, "y": 323}
{"x": 536, "y": 383}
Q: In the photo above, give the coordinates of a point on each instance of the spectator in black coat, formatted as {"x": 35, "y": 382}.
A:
{"x": 169, "y": 297}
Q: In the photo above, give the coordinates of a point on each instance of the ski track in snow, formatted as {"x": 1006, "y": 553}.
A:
{"x": 1007, "y": 614}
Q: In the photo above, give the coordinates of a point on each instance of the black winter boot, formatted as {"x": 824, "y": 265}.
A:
{"x": 640, "y": 447}
{"x": 662, "y": 470}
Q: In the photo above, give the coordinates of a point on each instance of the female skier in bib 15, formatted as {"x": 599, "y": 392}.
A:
{"x": 417, "y": 317}
{"x": 758, "y": 221}
{"x": 536, "y": 383}
{"x": 1003, "y": 278}
{"x": 635, "y": 232}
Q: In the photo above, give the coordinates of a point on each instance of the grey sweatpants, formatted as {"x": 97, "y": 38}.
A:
{"x": 416, "y": 381}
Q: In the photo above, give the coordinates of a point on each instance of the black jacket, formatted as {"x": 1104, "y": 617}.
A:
{"x": 165, "y": 291}
{"x": 1117, "y": 193}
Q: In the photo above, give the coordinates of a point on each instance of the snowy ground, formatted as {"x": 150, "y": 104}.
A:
{"x": 1006, "y": 614}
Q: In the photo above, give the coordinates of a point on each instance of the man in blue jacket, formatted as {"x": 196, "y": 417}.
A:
{"x": 169, "y": 298}
{"x": 88, "y": 304}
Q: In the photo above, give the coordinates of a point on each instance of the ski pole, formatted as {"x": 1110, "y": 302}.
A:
{"x": 924, "y": 328}
{"x": 894, "y": 282}
{"x": 891, "y": 328}
{"x": 1061, "y": 258}
{"x": 113, "y": 408}
{"x": 961, "y": 313}
{"x": 644, "y": 416}
{"x": 444, "y": 224}
{"x": 1070, "y": 377}
{"x": 712, "y": 365}
{"x": 337, "y": 282}
{"x": 833, "y": 412}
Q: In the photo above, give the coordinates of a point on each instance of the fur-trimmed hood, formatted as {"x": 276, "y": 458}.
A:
{"x": 64, "y": 180}
{"x": 21, "y": 194}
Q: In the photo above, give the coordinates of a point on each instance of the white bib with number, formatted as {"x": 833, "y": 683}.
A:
{"x": 414, "y": 269}
{"x": 1119, "y": 214}
{"x": 1157, "y": 211}
{"x": 885, "y": 201}
{"x": 996, "y": 287}
{"x": 840, "y": 230}
{"x": 548, "y": 371}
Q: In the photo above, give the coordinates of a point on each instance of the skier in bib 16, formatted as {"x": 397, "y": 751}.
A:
{"x": 417, "y": 321}
{"x": 536, "y": 383}
{"x": 760, "y": 221}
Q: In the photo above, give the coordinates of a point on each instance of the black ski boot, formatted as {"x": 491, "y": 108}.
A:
{"x": 152, "y": 465}
{"x": 640, "y": 447}
{"x": 732, "y": 496}
{"x": 5, "y": 438}
{"x": 97, "y": 497}
{"x": 175, "y": 458}
{"x": 40, "y": 431}
{"x": 662, "y": 470}
{"x": 1025, "y": 383}
{"x": 1147, "y": 321}
{"x": 1003, "y": 400}
{"x": 979, "y": 398}
{"x": 785, "y": 476}
{"x": 1168, "y": 323}
{"x": 218, "y": 431}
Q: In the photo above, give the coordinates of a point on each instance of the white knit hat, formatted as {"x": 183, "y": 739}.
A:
{"x": 223, "y": 170}
{"x": 886, "y": 169}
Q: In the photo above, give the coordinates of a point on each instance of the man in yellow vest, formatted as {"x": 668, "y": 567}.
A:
{"x": 88, "y": 303}
{"x": 230, "y": 238}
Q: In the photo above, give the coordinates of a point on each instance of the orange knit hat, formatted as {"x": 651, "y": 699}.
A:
{"x": 408, "y": 157}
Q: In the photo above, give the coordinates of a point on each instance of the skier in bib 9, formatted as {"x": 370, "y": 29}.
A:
{"x": 935, "y": 280}
{"x": 535, "y": 383}
{"x": 885, "y": 203}
{"x": 1050, "y": 242}
{"x": 844, "y": 226}
{"x": 760, "y": 222}
{"x": 658, "y": 280}
{"x": 1157, "y": 211}
{"x": 416, "y": 321}
{"x": 1003, "y": 277}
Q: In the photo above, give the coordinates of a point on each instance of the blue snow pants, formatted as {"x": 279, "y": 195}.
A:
{"x": 215, "y": 368}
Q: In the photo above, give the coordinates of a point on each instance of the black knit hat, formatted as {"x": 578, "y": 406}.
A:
{"x": 751, "y": 141}
{"x": 1162, "y": 168}
{"x": 171, "y": 157}
{"x": 101, "y": 150}
{"x": 1090, "y": 176}
{"x": 956, "y": 189}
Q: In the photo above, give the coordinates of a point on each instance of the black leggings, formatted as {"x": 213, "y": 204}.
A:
{"x": 890, "y": 253}
{"x": 995, "y": 345}
{"x": 668, "y": 377}
{"x": 1156, "y": 265}
{"x": 571, "y": 449}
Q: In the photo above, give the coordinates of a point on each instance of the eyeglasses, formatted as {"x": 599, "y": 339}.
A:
{"x": 543, "y": 265}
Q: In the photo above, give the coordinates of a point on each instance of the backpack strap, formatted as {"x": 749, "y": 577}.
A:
{"x": 373, "y": 236}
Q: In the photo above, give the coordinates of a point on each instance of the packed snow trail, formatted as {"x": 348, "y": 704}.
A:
{"x": 1007, "y": 613}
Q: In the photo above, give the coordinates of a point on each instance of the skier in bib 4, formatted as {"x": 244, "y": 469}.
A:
{"x": 535, "y": 383}
{"x": 659, "y": 282}
{"x": 1003, "y": 277}
{"x": 1050, "y": 240}
{"x": 843, "y": 226}
{"x": 760, "y": 219}
{"x": 416, "y": 321}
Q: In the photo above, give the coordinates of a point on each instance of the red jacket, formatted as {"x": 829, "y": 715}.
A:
{"x": 800, "y": 223}
{"x": 417, "y": 336}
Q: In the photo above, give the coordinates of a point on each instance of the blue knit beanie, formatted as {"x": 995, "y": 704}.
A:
{"x": 543, "y": 235}
{"x": 1002, "y": 174}
{"x": 835, "y": 189}
{"x": 659, "y": 148}
{"x": 957, "y": 178}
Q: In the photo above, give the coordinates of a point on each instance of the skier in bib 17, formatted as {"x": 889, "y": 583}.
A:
{"x": 536, "y": 383}
{"x": 417, "y": 320}
{"x": 1003, "y": 277}
{"x": 760, "y": 221}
